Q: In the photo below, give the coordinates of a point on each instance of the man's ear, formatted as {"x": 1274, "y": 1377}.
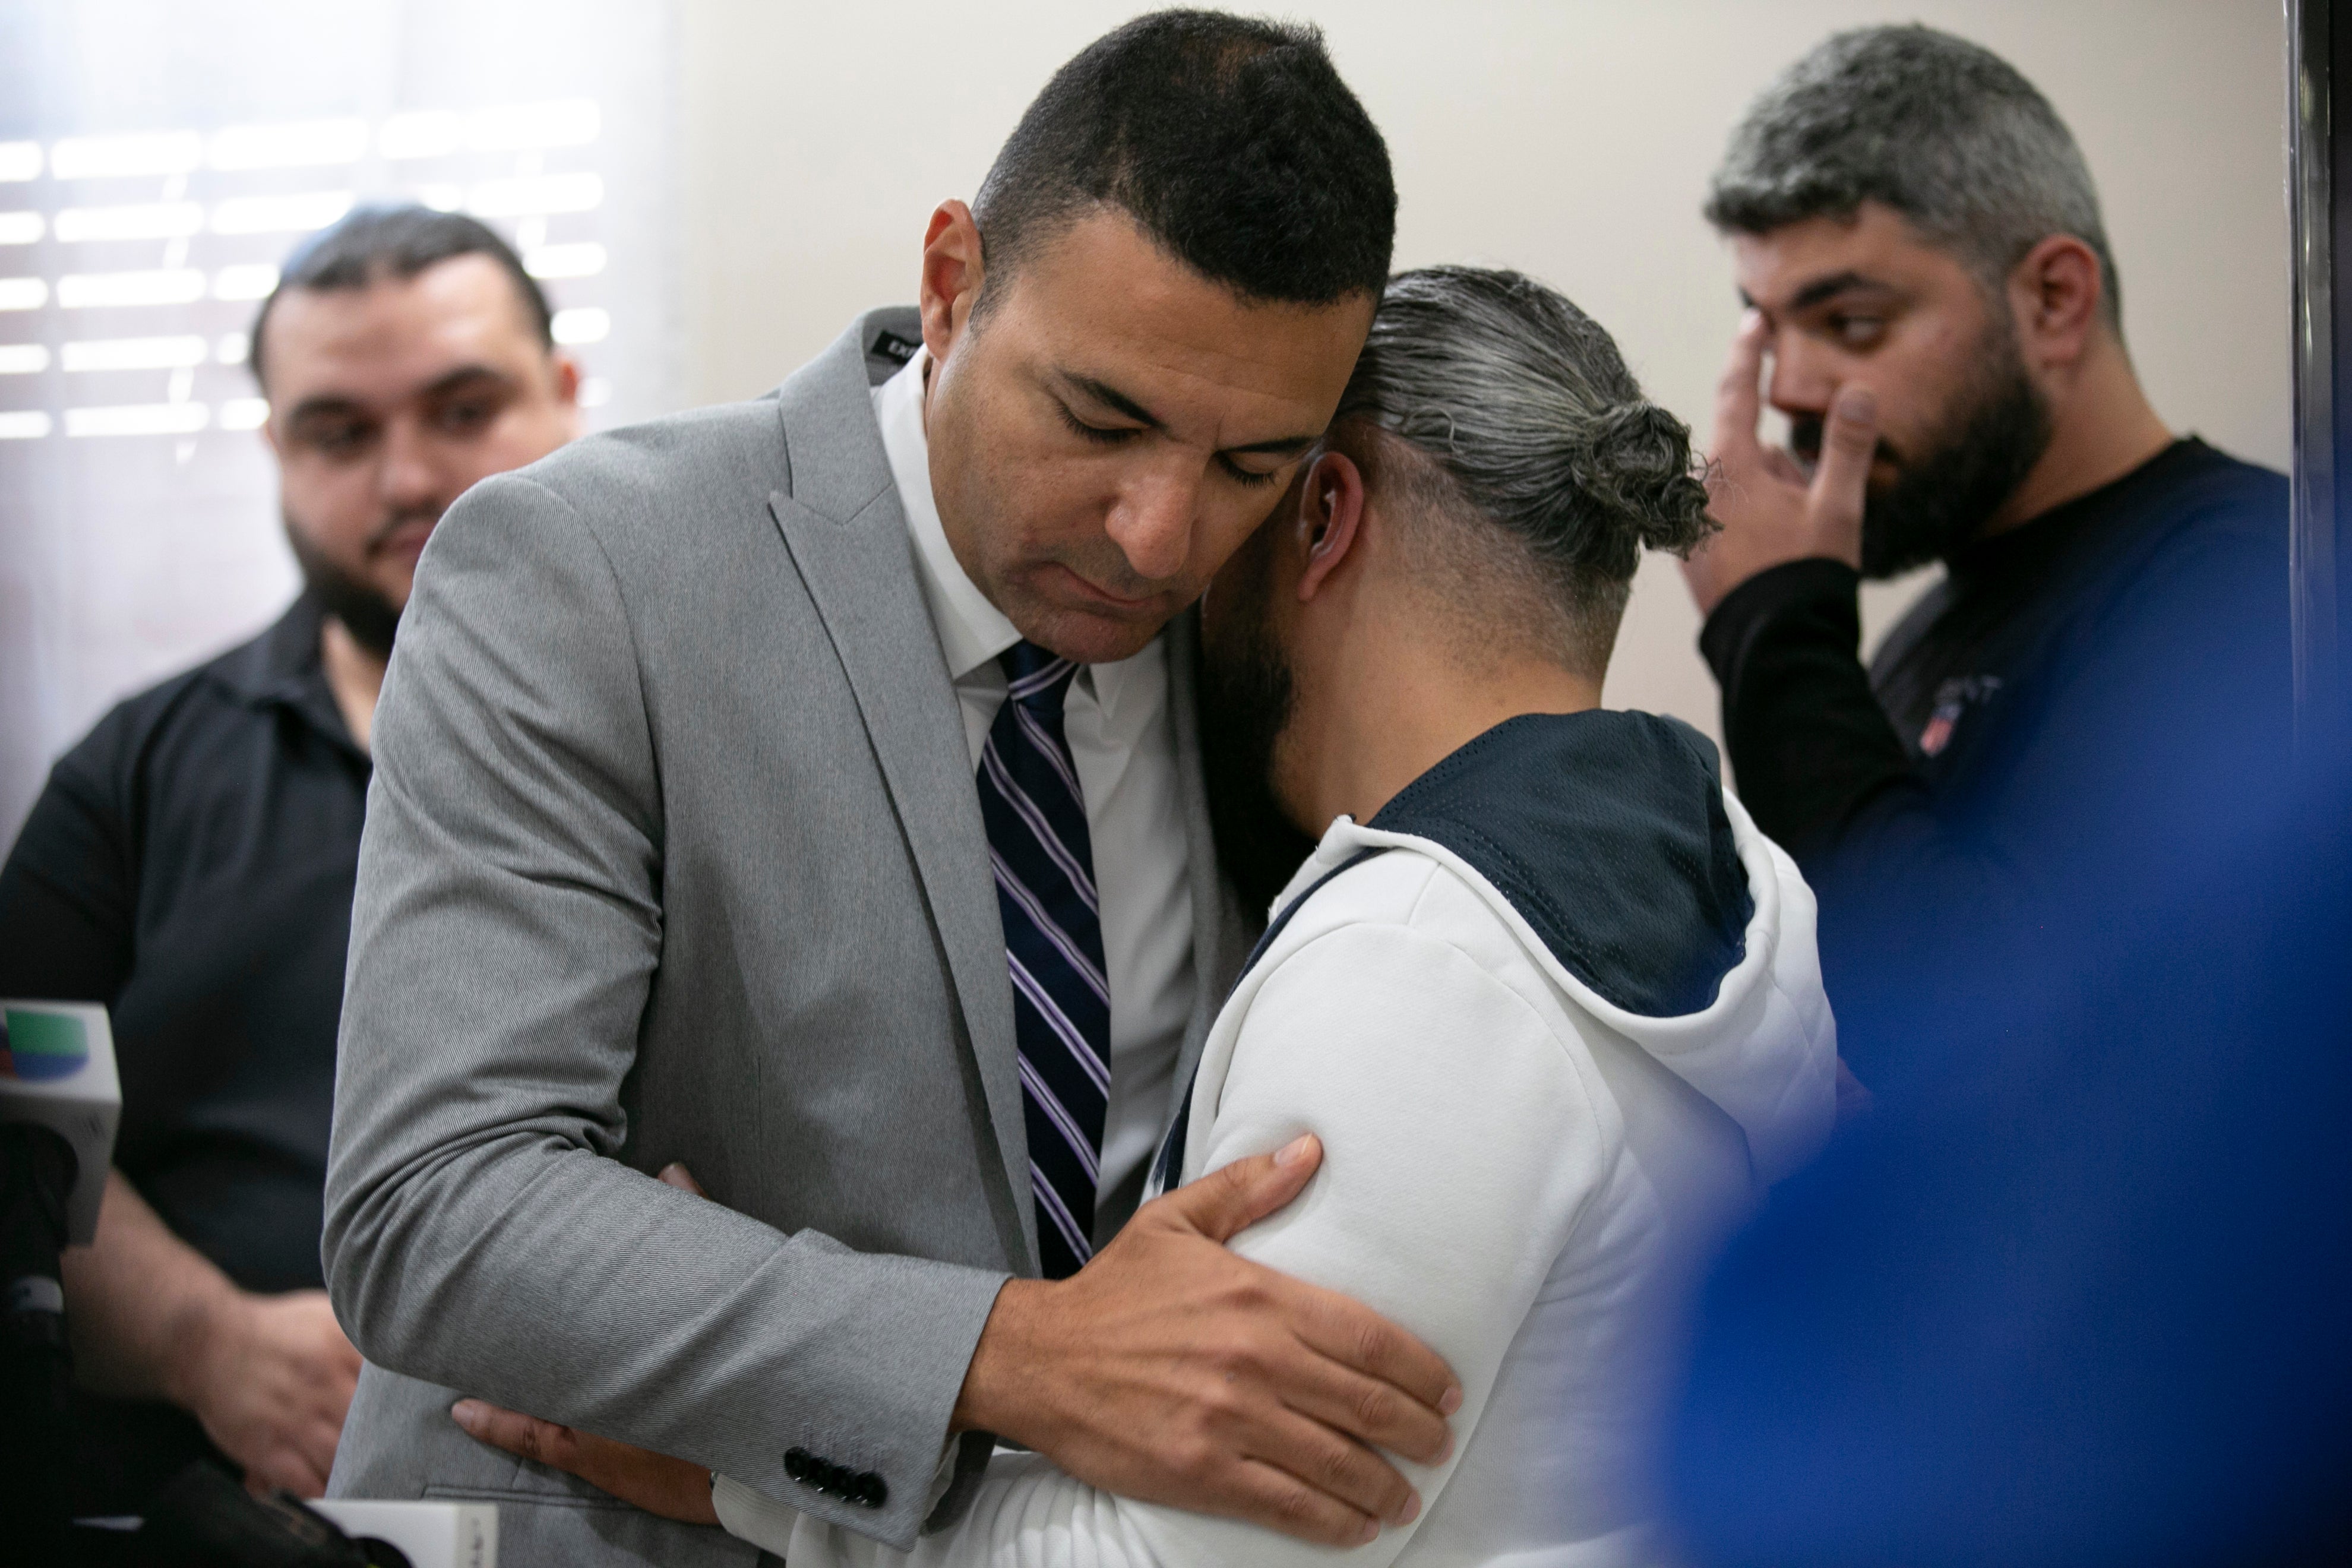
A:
{"x": 1330, "y": 519}
{"x": 951, "y": 277}
{"x": 2057, "y": 294}
{"x": 567, "y": 391}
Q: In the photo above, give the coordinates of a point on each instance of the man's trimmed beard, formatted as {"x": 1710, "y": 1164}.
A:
{"x": 371, "y": 619}
{"x": 1997, "y": 427}
{"x": 1247, "y": 693}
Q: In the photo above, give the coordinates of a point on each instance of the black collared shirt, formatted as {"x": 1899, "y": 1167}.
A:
{"x": 190, "y": 865}
{"x": 1998, "y": 752}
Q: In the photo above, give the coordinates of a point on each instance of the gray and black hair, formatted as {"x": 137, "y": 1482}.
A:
{"x": 371, "y": 244}
{"x": 1516, "y": 408}
{"x": 1943, "y": 130}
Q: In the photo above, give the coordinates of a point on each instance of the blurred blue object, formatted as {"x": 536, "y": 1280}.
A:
{"x": 2078, "y": 1288}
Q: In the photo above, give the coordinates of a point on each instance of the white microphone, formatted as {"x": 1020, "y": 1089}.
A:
{"x": 59, "y": 1102}
{"x": 57, "y": 1071}
{"x": 431, "y": 1534}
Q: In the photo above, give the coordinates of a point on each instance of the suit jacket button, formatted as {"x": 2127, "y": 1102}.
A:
{"x": 872, "y": 1492}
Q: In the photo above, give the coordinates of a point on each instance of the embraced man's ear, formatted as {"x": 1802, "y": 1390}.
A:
{"x": 1331, "y": 518}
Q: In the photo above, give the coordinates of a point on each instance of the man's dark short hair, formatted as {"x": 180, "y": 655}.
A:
{"x": 1943, "y": 130}
{"x": 1230, "y": 140}
{"x": 371, "y": 244}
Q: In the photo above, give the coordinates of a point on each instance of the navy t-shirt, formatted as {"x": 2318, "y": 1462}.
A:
{"x": 1995, "y": 762}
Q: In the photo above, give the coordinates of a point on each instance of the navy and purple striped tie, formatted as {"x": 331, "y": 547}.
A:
{"x": 1043, "y": 860}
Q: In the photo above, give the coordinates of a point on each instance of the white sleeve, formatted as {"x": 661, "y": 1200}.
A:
{"x": 1459, "y": 1147}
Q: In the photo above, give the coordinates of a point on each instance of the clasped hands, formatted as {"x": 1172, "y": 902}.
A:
{"x": 1168, "y": 1370}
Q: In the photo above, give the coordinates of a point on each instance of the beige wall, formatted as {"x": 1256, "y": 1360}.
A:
{"x": 1572, "y": 140}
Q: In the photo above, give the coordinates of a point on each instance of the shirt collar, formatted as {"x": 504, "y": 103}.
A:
{"x": 973, "y": 631}
{"x": 283, "y": 669}
{"x": 282, "y": 663}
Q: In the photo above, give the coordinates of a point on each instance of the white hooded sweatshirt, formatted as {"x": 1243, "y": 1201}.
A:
{"x": 1556, "y": 1017}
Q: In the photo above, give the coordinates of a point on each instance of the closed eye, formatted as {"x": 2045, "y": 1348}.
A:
{"x": 1240, "y": 475}
{"x": 1102, "y": 435}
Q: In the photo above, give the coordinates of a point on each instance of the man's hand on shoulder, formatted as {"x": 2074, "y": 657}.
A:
{"x": 1773, "y": 512}
{"x": 1172, "y": 1370}
{"x": 270, "y": 1378}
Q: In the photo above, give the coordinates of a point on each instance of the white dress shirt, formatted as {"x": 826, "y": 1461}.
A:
{"x": 1122, "y": 738}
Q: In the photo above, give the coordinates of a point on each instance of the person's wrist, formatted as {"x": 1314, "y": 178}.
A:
{"x": 998, "y": 1374}
{"x": 199, "y": 1346}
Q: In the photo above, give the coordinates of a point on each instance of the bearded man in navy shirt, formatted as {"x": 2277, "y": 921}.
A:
{"x": 1934, "y": 306}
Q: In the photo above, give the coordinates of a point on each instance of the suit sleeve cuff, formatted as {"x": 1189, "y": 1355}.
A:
{"x": 749, "y": 1514}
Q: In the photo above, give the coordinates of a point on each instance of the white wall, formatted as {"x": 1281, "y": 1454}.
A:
{"x": 1572, "y": 140}
{"x": 127, "y": 556}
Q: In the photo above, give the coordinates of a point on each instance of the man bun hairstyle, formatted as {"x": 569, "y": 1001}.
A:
{"x": 1231, "y": 141}
{"x": 371, "y": 244}
{"x": 1943, "y": 130}
{"x": 1488, "y": 394}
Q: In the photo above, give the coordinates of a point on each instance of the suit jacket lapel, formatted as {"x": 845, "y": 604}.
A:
{"x": 848, "y": 534}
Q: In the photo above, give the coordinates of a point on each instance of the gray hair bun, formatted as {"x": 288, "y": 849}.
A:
{"x": 1524, "y": 402}
{"x": 1633, "y": 461}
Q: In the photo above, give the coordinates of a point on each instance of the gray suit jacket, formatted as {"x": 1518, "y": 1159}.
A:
{"x": 673, "y": 853}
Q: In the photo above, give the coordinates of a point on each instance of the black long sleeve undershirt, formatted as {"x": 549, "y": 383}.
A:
{"x": 1810, "y": 746}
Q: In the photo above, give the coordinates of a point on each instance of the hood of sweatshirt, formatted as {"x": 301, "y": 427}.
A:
{"x": 1606, "y": 840}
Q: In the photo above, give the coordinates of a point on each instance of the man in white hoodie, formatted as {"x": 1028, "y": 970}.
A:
{"x": 1548, "y": 1000}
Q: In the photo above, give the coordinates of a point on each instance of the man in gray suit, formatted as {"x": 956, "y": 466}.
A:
{"x": 809, "y": 791}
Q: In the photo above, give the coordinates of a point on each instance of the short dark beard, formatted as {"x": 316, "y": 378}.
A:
{"x": 1995, "y": 430}
{"x": 371, "y": 617}
{"x": 1247, "y": 694}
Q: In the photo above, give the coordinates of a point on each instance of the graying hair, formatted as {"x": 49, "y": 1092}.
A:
{"x": 1943, "y": 130}
{"x": 1523, "y": 413}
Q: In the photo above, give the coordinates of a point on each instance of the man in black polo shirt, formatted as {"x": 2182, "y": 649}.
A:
{"x": 1919, "y": 243}
{"x": 190, "y": 863}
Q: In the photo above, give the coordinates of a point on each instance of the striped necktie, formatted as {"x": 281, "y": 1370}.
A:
{"x": 1044, "y": 861}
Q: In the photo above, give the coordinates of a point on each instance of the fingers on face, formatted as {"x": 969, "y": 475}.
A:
{"x": 1853, "y": 419}
{"x": 1737, "y": 401}
{"x": 1849, "y": 439}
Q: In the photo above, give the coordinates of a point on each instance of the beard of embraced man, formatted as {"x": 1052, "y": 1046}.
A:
{"x": 1248, "y": 691}
{"x": 1995, "y": 427}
